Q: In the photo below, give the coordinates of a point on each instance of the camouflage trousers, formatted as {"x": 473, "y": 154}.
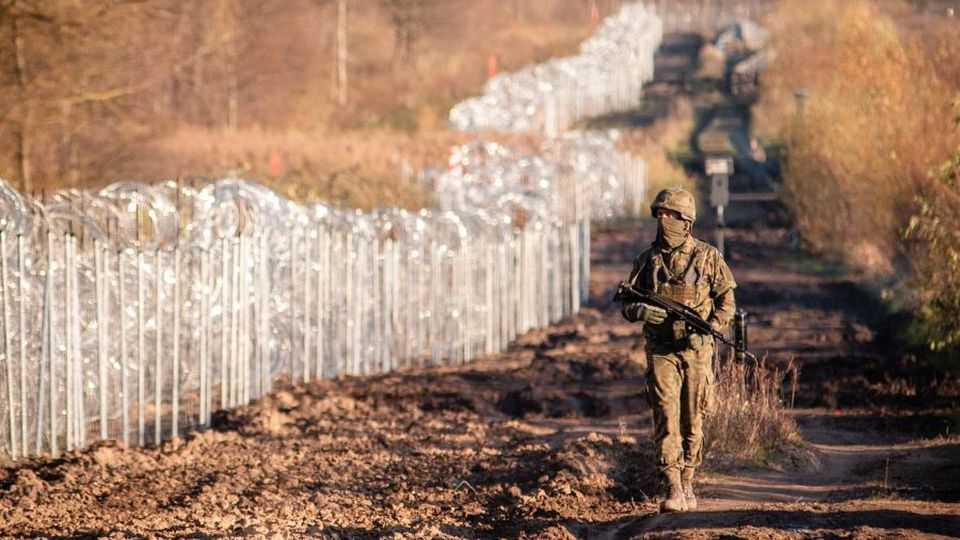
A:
{"x": 680, "y": 392}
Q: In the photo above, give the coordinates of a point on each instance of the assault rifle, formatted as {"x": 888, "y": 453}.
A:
{"x": 628, "y": 293}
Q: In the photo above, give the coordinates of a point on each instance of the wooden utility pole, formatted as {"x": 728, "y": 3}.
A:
{"x": 342, "y": 52}
{"x": 23, "y": 134}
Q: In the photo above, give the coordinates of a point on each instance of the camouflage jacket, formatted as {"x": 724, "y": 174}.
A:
{"x": 694, "y": 274}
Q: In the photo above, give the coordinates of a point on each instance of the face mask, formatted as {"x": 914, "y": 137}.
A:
{"x": 672, "y": 232}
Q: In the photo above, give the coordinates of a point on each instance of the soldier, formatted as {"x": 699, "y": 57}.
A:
{"x": 680, "y": 371}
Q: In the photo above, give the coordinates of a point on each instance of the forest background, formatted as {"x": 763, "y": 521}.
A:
{"x": 95, "y": 91}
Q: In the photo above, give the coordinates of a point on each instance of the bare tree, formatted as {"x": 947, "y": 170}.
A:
{"x": 342, "y": 52}
{"x": 411, "y": 20}
{"x": 26, "y": 115}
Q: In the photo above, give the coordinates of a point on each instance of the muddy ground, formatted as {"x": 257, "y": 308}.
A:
{"x": 547, "y": 440}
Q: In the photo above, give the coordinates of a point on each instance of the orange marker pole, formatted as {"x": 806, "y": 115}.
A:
{"x": 276, "y": 163}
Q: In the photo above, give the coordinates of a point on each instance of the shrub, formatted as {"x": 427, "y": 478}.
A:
{"x": 749, "y": 421}
{"x": 872, "y": 124}
{"x": 934, "y": 239}
{"x": 879, "y": 80}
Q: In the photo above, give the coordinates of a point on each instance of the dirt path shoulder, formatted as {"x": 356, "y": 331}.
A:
{"x": 547, "y": 440}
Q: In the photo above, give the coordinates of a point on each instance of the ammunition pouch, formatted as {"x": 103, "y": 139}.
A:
{"x": 675, "y": 333}
{"x": 698, "y": 341}
{"x": 679, "y": 331}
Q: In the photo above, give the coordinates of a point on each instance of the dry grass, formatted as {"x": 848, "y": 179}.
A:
{"x": 285, "y": 65}
{"x": 657, "y": 143}
{"x": 662, "y": 172}
{"x": 864, "y": 156}
{"x": 749, "y": 421}
{"x": 875, "y": 120}
{"x": 355, "y": 169}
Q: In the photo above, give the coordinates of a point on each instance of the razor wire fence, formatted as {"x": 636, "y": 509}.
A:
{"x": 137, "y": 311}
{"x": 607, "y": 75}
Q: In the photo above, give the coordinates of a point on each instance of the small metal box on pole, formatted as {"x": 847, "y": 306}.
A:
{"x": 719, "y": 169}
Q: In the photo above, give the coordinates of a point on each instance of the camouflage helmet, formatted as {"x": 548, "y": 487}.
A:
{"x": 676, "y": 199}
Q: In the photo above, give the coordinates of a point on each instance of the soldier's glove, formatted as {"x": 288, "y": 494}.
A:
{"x": 640, "y": 311}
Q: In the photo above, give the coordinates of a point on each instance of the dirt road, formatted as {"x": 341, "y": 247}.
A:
{"x": 547, "y": 440}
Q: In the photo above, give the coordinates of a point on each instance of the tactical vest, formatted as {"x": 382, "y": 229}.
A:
{"x": 688, "y": 287}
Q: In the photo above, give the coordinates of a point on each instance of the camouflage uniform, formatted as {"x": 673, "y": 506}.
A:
{"x": 680, "y": 378}
{"x": 679, "y": 362}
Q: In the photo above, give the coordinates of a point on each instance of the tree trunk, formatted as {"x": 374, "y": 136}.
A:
{"x": 342, "y": 52}
{"x": 24, "y": 148}
{"x": 227, "y": 29}
{"x": 68, "y": 150}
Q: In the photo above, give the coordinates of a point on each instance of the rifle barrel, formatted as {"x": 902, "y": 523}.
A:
{"x": 685, "y": 313}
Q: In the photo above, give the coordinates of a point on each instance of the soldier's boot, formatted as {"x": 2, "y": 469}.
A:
{"x": 674, "y": 500}
{"x": 686, "y": 484}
